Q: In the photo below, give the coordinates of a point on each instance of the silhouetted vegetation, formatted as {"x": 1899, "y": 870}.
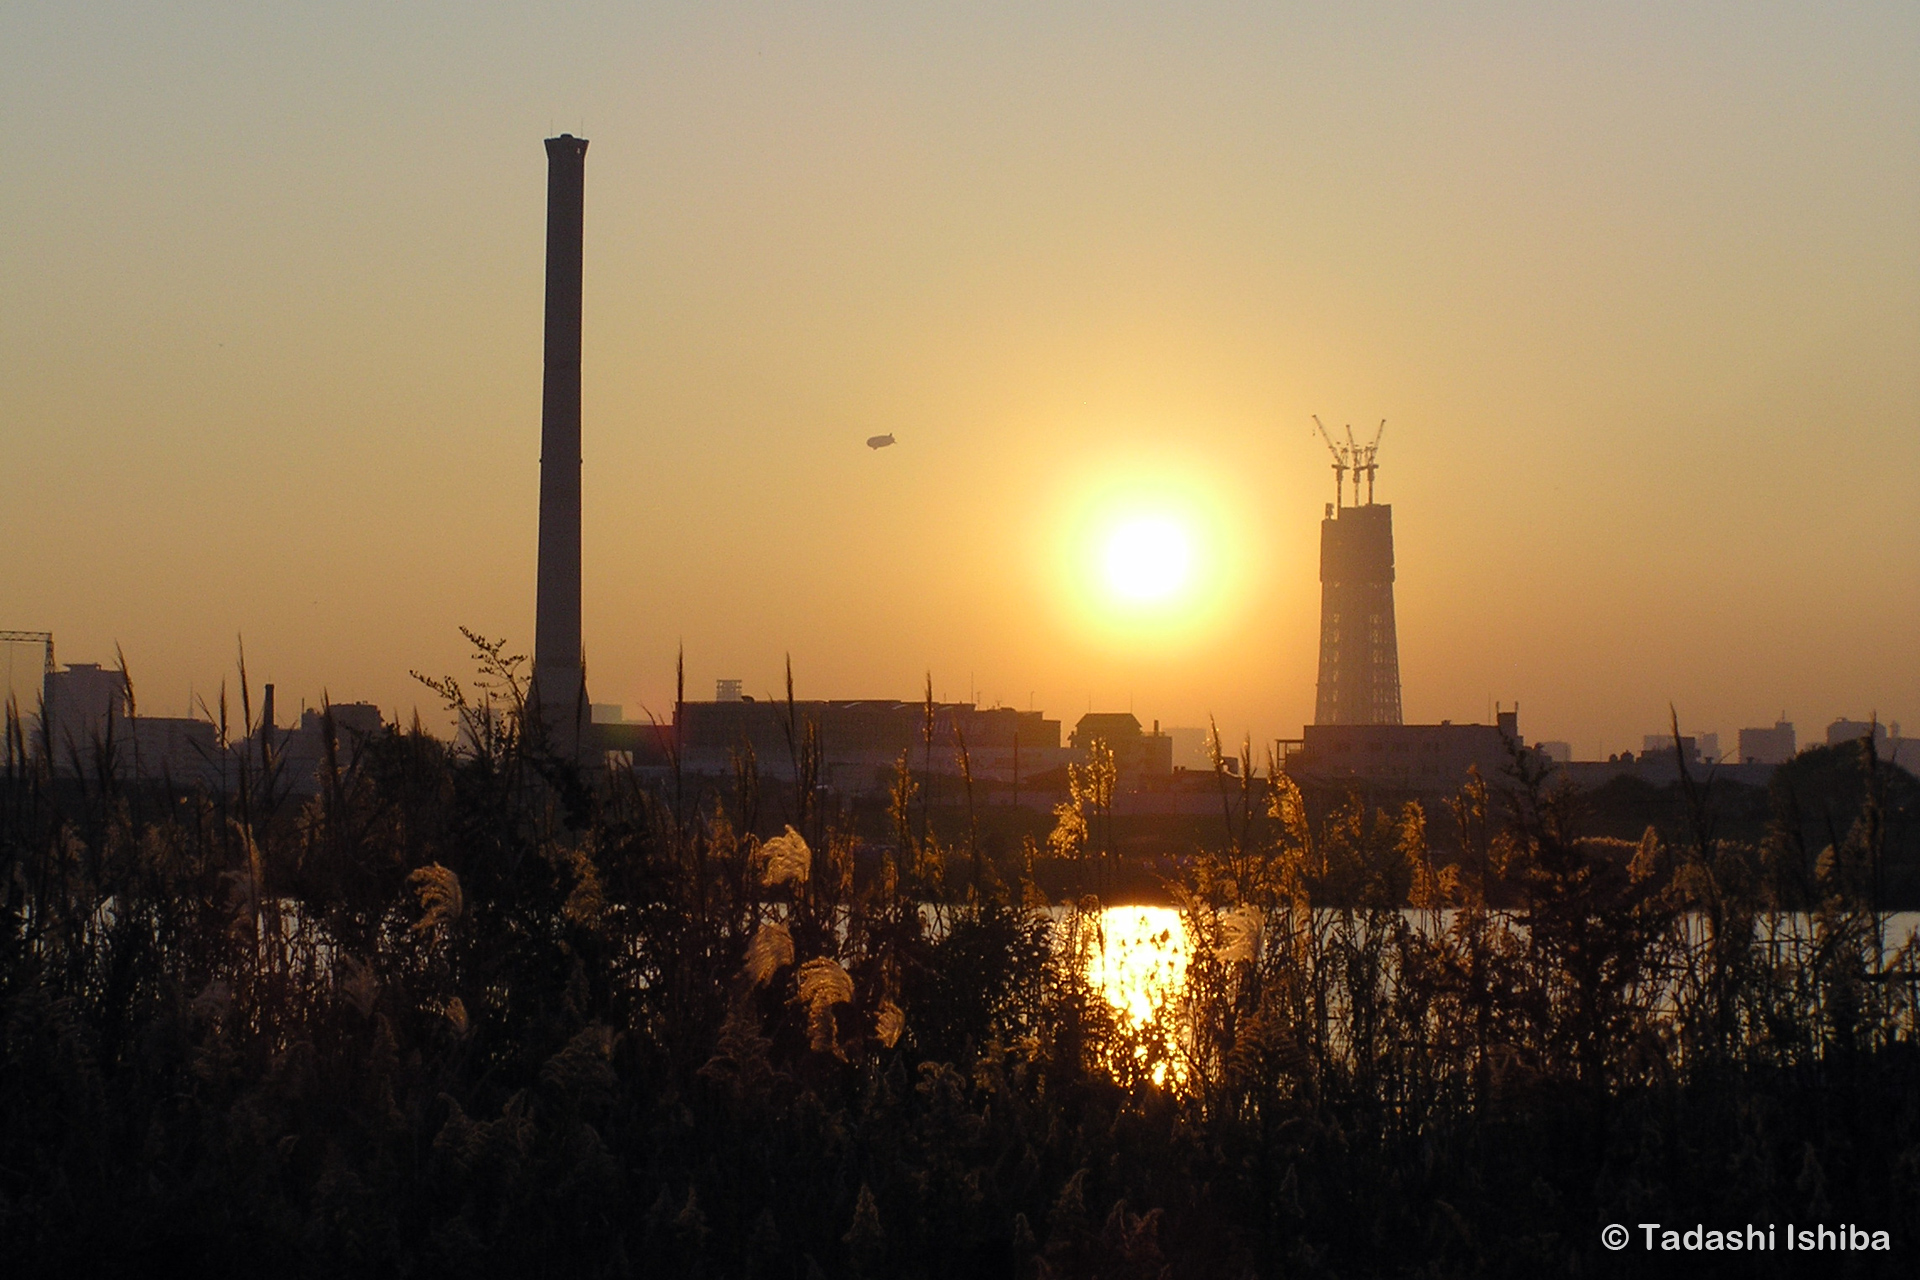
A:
{"x": 468, "y": 1011}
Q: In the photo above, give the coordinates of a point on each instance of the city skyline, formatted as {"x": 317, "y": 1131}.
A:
{"x": 1652, "y": 388}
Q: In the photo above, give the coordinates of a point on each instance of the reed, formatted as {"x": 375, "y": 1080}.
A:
{"x": 467, "y": 1010}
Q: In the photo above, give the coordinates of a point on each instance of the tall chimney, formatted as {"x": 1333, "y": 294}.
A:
{"x": 559, "y": 674}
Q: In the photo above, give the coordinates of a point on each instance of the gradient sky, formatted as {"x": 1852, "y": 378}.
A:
{"x": 1636, "y": 287}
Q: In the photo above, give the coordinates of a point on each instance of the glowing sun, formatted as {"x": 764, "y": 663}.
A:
{"x": 1148, "y": 559}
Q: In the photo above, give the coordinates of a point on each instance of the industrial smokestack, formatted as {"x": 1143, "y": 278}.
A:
{"x": 559, "y": 670}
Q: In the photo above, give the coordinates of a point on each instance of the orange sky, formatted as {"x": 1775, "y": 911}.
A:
{"x": 1638, "y": 293}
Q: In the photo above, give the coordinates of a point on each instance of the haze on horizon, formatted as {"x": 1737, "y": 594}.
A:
{"x": 1637, "y": 291}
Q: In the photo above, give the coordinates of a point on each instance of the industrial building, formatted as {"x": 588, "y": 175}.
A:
{"x": 86, "y": 729}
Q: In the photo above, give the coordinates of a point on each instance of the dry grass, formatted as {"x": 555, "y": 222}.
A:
{"x": 468, "y": 1011}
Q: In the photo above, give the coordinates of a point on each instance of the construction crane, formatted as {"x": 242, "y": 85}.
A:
{"x": 11, "y": 638}
{"x": 44, "y": 638}
{"x": 1366, "y": 460}
{"x": 1352, "y": 457}
{"x": 1342, "y": 462}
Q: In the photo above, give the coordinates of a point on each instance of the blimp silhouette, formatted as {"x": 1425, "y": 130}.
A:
{"x": 879, "y": 442}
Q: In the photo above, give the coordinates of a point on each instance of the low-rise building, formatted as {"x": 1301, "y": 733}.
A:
{"x": 180, "y": 749}
{"x": 1137, "y": 755}
{"x": 1412, "y": 757}
{"x": 304, "y": 747}
{"x": 1192, "y": 747}
{"x": 88, "y": 726}
{"x": 861, "y": 741}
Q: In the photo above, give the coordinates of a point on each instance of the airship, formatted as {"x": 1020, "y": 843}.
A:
{"x": 879, "y": 442}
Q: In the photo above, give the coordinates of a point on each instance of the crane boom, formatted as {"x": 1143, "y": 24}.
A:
{"x": 1352, "y": 457}
{"x": 1372, "y": 460}
{"x": 1355, "y": 461}
{"x": 1342, "y": 462}
{"x": 43, "y": 638}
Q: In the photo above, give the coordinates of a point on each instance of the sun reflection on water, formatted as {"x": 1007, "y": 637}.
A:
{"x": 1139, "y": 963}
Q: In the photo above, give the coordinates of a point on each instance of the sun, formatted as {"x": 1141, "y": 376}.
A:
{"x": 1146, "y": 557}
{"x": 1148, "y": 560}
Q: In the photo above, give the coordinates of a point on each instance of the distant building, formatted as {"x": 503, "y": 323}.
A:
{"x": 1413, "y": 757}
{"x": 1768, "y": 746}
{"x": 81, "y": 706}
{"x": 1699, "y": 754}
{"x": 177, "y": 748}
{"x": 86, "y": 712}
{"x": 88, "y": 728}
{"x": 1558, "y": 752}
{"x": 1887, "y": 742}
{"x": 606, "y": 713}
{"x": 726, "y": 691}
{"x": 1136, "y": 755}
{"x": 1192, "y": 748}
{"x": 1844, "y": 730}
{"x": 631, "y": 744}
{"x": 1661, "y": 744}
{"x": 303, "y": 749}
{"x": 861, "y": 741}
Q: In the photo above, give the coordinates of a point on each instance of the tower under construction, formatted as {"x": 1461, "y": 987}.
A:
{"x": 1359, "y": 652}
